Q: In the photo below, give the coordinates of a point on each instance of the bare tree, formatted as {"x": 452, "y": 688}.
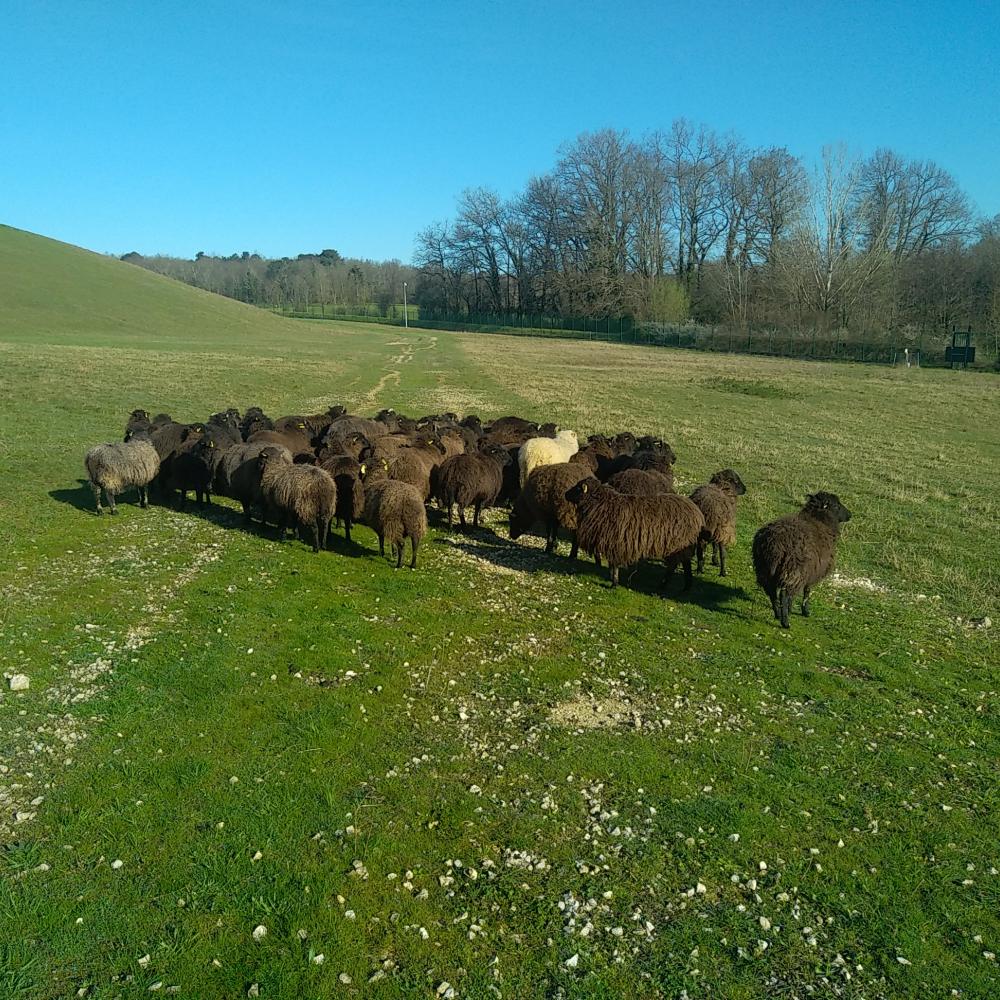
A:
{"x": 908, "y": 206}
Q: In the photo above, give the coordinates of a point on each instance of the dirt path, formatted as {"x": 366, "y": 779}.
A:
{"x": 392, "y": 374}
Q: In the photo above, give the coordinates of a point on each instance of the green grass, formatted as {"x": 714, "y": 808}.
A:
{"x": 433, "y": 723}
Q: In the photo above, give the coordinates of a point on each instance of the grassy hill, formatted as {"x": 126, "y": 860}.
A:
{"x": 56, "y": 293}
{"x": 494, "y": 772}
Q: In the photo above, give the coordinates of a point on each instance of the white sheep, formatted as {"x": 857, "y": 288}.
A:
{"x": 546, "y": 451}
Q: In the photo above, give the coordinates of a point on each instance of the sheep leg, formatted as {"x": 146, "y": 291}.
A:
{"x": 775, "y": 605}
{"x": 143, "y": 496}
{"x": 97, "y": 496}
{"x": 574, "y": 547}
{"x": 347, "y": 529}
{"x": 109, "y": 496}
{"x": 805, "y": 603}
{"x": 722, "y": 560}
{"x": 449, "y": 514}
{"x": 701, "y": 556}
{"x": 461, "y": 518}
{"x": 413, "y": 552}
{"x": 716, "y": 556}
{"x": 786, "y": 603}
{"x": 475, "y": 516}
{"x": 381, "y": 545}
{"x": 614, "y": 575}
{"x": 316, "y": 536}
{"x": 687, "y": 574}
{"x": 398, "y": 546}
{"x": 597, "y": 559}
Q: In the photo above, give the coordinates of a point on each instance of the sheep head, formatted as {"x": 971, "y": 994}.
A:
{"x": 582, "y": 490}
{"x": 501, "y": 454}
{"x": 826, "y": 507}
{"x": 729, "y": 482}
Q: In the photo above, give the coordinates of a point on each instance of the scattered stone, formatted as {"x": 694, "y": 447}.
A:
{"x": 259, "y": 932}
{"x": 19, "y": 682}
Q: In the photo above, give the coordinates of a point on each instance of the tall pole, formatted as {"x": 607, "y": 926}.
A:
{"x": 406, "y": 317}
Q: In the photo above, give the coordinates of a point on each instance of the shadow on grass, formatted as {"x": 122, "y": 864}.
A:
{"x": 81, "y": 497}
{"x": 706, "y": 591}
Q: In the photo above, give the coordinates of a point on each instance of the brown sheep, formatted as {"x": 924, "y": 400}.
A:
{"x": 792, "y": 554}
{"x": 717, "y": 501}
{"x": 625, "y": 529}
{"x": 294, "y": 440}
{"x": 345, "y": 424}
{"x": 238, "y": 474}
{"x": 347, "y": 475}
{"x": 640, "y": 483}
{"x": 471, "y": 480}
{"x": 543, "y": 499}
{"x": 395, "y": 512}
{"x": 303, "y": 493}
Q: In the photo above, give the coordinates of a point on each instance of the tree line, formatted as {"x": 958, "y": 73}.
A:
{"x": 298, "y": 283}
{"x": 691, "y": 224}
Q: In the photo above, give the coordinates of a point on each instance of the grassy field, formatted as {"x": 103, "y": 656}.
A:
{"x": 494, "y": 775}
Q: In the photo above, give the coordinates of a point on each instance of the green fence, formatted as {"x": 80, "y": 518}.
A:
{"x": 862, "y": 347}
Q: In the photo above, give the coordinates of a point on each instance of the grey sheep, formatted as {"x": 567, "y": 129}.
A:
{"x": 304, "y": 494}
{"x": 624, "y": 529}
{"x": 395, "y": 512}
{"x": 717, "y": 500}
{"x": 543, "y": 500}
{"x": 792, "y": 554}
{"x": 122, "y": 465}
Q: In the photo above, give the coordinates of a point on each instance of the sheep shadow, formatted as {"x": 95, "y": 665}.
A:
{"x": 707, "y": 591}
{"x": 224, "y": 516}
{"x": 81, "y": 497}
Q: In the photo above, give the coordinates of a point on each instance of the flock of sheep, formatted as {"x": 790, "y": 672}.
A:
{"x": 614, "y": 497}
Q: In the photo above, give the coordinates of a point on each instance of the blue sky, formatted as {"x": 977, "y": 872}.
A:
{"x": 286, "y": 127}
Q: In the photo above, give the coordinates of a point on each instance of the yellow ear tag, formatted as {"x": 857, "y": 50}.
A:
{"x": 585, "y": 487}
{"x": 364, "y": 469}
